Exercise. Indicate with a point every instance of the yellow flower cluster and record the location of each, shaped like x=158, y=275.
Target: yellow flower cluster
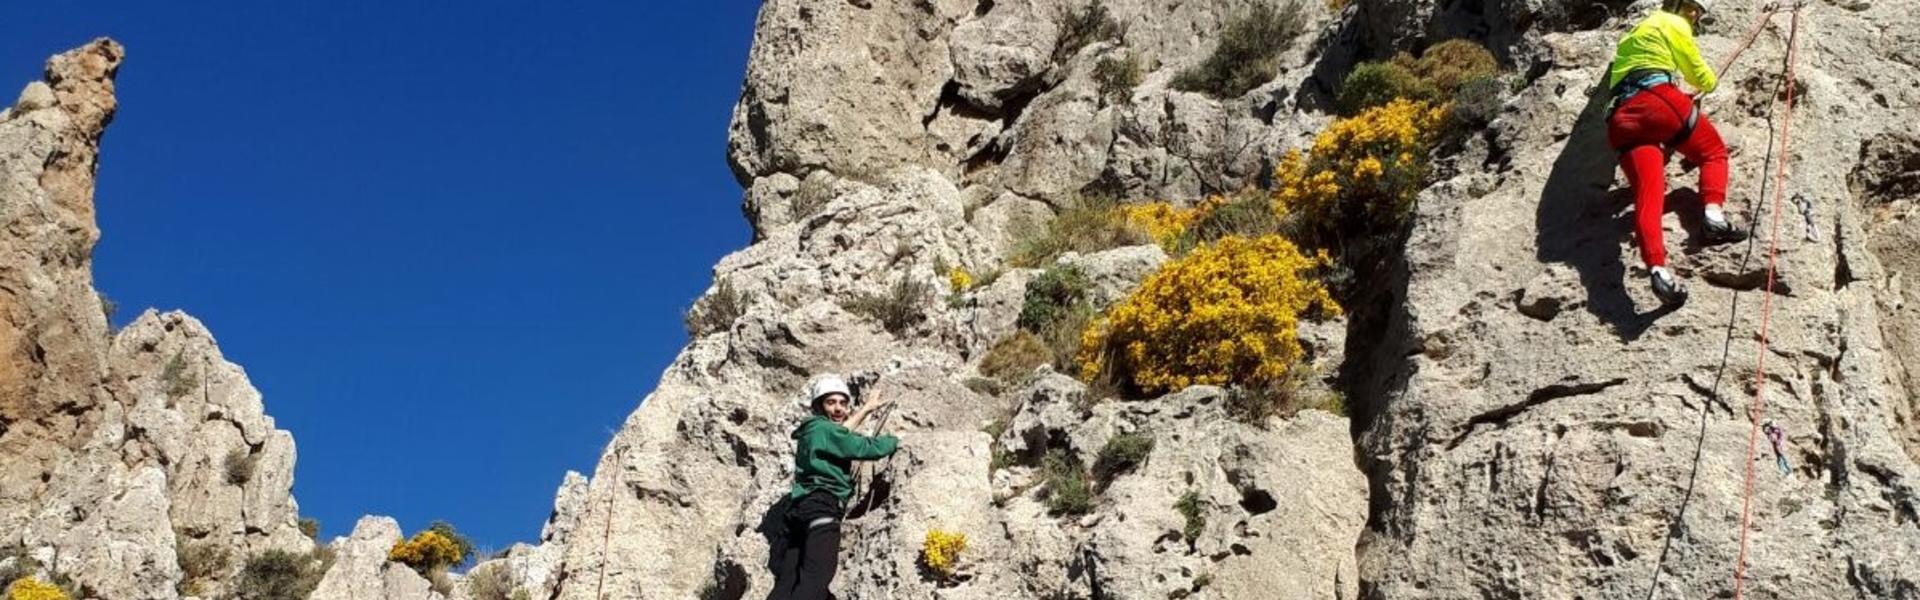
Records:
x=1164, y=222
x=1371, y=164
x=941, y=551
x=959, y=279
x=28, y=588
x=1227, y=313
x=426, y=551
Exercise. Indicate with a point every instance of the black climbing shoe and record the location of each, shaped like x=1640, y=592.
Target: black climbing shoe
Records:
x=1670, y=292
x=1721, y=231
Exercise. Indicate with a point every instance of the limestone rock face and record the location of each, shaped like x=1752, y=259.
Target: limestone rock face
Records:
x=117, y=450
x=361, y=570
x=1537, y=426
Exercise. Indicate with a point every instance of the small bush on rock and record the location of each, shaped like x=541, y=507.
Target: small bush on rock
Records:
x=1057, y=293
x=1452, y=64
x=310, y=527
x=940, y=552
x=240, y=466
x=717, y=311
x=1068, y=493
x=1227, y=313
x=174, y=378
x=1120, y=455
x=281, y=575
x=1193, y=514
x=1375, y=84
x=425, y=552
x=896, y=309
x=1248, y=54
x=1116, y=77
x=199, y=563
x=1088, y=224
x=1012, y=360
x=1091, y=23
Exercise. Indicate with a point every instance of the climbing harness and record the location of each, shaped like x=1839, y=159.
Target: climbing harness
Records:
x=1733, y=300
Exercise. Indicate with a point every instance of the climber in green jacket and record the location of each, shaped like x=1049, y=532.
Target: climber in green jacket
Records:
x=825, y=447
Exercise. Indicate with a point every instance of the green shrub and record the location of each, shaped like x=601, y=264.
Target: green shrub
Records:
x=1248, y=53
x=1248, y=213
x=1068, y=492
x=1011, y=361
x=1117, y=76
x=1091, y=23
x=900, y=307
x=1088, y=224
x=1193, y=513
x=812, y=195
x=461, y=544
x=310, y=527
x=1120, y=455
x=1253, y=404
x=1053, y=296
x=199, y=564
x=717, y=311
x=1452, y=64
x=281, y=575
x=174, y=378
x=240, y=466
x=1478, y=102
x=1375, y=84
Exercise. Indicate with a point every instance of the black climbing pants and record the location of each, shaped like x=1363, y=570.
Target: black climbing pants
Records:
x=811, y=550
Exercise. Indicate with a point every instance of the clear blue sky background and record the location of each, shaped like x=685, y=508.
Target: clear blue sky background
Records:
x=449, y=241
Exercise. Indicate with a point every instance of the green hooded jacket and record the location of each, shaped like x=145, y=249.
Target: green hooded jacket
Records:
x=824, y=453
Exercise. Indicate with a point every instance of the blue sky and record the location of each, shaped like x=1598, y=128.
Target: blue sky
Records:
x=450, y=242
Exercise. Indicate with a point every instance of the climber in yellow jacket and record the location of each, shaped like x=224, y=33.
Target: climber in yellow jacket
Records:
x=1651, y=117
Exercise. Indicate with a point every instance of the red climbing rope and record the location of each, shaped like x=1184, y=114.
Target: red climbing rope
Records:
x=1758, y=411
x=1766, y=16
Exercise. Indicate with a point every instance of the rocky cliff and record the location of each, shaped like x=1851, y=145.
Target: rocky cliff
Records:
x=1525, y=421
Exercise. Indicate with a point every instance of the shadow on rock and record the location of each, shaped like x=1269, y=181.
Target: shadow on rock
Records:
x=1578, y=222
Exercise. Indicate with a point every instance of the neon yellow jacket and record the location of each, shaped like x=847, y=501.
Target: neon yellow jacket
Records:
x=1662, y=42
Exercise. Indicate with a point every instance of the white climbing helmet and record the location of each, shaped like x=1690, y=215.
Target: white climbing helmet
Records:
x=825, y=384
x=1706, y=6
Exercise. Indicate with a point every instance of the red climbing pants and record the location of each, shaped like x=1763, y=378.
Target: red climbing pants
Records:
x=1643, y=130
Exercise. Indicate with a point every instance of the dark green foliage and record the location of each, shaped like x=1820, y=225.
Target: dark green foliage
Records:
x=717, y=311
x=1194, y=514
x=898, y=308
x=1377, y=83
x=1056, y=294
x=1117, y=76
x=1091, y=23
x=1121, y=454
x=1089, y=224
x=1248, y=54
x=1068, y=493
x=281, y=575
x=240, y=465
x=460, y=541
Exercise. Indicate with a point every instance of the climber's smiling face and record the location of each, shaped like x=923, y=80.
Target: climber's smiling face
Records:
x=834, y=406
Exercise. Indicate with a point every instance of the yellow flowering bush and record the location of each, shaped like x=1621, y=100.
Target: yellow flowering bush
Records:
x=959, y=279
x=1364, y=170
x=426, y=551
x=941, y=551
x=1227, y=313
x=28, y=588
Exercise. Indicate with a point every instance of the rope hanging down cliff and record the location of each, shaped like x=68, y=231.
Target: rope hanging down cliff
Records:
x=1677, y=525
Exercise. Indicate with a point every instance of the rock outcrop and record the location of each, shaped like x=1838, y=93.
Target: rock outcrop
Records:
x=1525, y=422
